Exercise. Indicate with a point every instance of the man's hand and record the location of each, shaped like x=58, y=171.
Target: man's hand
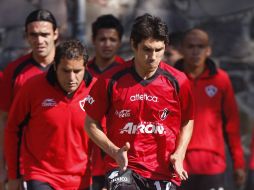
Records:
x=14, y=184
x=121, y=156
x=239, y=176
x=177, y=163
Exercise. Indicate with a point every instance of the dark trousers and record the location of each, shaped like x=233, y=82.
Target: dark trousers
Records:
x=204, y=182
x=38, y=185
x=98, y=182
x=250, y=181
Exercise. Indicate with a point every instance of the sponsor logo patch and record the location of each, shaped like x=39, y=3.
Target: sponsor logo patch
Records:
x=144, y=97
x=144, y=128
x=113, y=174
x=48, y=102
x=117, y=178
x=120, y=179
x=123, y=113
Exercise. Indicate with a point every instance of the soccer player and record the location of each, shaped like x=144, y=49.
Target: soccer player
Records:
x=107, y=32
x=148, y=108
x=41, y=34
x=48, y=109
x=215, y=115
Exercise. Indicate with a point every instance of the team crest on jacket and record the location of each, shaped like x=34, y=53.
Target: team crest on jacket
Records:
x=164, y=113
x=88, y=99
x=211, y=90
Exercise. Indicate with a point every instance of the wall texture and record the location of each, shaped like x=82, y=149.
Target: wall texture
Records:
x=230, y=24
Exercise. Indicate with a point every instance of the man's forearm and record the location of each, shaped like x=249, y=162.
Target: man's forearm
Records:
x=118, y=154
x=99, y=137
x=184, y=138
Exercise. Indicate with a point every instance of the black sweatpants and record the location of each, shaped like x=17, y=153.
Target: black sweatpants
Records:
x=204, y=182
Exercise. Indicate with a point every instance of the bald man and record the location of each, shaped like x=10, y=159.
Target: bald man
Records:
x=215, y=118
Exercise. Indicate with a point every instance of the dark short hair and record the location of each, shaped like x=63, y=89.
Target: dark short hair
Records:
x=197, y=29
x=71, y=49
x=107, y=21
x=41, y=15
x=175, y=39
x=148, y=26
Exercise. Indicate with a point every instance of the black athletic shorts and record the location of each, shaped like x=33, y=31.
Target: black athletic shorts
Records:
x=98, y=182
x=39, y=185
x=250, y=181
x=204, y=182
x=129, y=180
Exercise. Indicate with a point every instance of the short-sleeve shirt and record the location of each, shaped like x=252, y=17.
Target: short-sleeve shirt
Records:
x=147, y=113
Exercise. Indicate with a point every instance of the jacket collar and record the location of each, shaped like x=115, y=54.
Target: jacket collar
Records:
x=210, y=65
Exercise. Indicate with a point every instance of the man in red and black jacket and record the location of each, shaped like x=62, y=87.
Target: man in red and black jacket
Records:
x=49, y=111
x=41, y=34
x=215, y=115
x=107, y=33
